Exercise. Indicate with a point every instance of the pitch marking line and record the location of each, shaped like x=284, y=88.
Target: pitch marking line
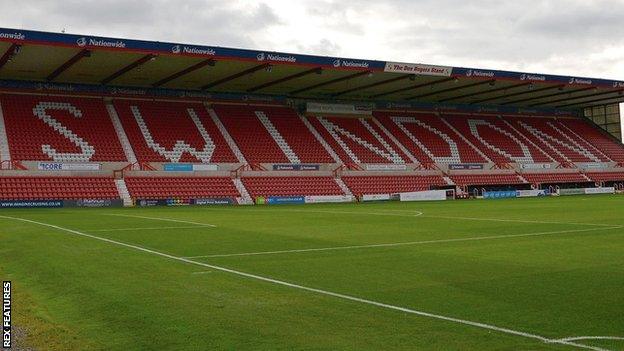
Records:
x=143, y=228
x=202, y=272
x=575, y=338
x=315, y=290
x=517, y=220
x=405, y=243
x=419, y=213
x=159, y=219
x=415, y=213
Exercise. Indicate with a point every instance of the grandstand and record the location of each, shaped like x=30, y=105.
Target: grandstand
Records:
x=82, y=116
x=91, y=121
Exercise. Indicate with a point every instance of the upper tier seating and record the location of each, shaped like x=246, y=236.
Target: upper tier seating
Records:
x=295, y=133
x=181, y=187
x=291, y=186
x=250, y=135
x=57, y=188
x=267, y=134
x=428, y=138
x=593, y=136
x=553, y=178
x=63, y=129
x=486, y=179
x=173, y=132
x=556, y=141
x=495, y=138
x=368, y=185
x=358, y=140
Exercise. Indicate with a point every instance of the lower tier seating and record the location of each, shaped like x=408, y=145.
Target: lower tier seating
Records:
x=552, y=178
x=606, y=176
x=291, y=186
x=180, y=188
x=486, y=179
x=362, y=185
x=57, y=188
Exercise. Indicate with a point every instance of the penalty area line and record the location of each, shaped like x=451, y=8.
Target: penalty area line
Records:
x=315, y=290
x=143, y=228
x=159, y=219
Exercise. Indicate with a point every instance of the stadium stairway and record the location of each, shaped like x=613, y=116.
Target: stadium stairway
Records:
x=343, y=186
x=245, y=198
x=5, y=154
x=226, y=135
x=277, y=137
x=320, y=139
x=121, y=133
x=124, y=194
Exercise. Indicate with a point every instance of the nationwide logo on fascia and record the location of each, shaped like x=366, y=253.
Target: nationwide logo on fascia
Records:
x=57, y=87
x=176, y=49
x=115, y=91
x=525, y=111
x=349, y=63
x=14, y=36
x=580, y=81
x=533, y=77
x=618, y=84
x=275, y=57
x=487, y=109
x=477, y=73
x=100, y=43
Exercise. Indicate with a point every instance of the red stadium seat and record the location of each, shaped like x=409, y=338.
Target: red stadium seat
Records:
x=57, y=188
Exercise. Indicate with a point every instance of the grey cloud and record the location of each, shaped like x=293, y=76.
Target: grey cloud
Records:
x=553, y=35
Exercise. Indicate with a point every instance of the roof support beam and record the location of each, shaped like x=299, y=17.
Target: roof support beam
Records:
x=620, y=97
x=332, y=81
x=236, y=75
x=128, y=68
x=578, y=97
x=372, y=85
x=549, y=95
x=530, y=91
x=489, y=81
x=485, y=92
x=412, y=87
x=317, y=70
x=597, y=102
x=65, y=66
x=195, y=67
x=11, y=51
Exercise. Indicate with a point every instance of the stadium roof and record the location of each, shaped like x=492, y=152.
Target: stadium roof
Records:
x=81, y=59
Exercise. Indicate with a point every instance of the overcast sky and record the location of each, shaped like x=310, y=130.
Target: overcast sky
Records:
x=570, y=37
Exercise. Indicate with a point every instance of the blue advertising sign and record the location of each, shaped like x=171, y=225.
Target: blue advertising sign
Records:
x=504, y=194
x=466, y=166
x=213, y=201
x=277, y=200
x=178, y=167
x=296, y=167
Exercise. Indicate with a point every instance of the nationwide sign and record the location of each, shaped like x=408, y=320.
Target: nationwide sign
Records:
x=67, y=40
x=418, y=69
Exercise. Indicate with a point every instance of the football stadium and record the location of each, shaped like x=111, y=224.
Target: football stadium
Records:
x=169, y=196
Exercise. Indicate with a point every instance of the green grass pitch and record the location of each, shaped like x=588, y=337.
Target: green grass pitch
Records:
x=523, y=274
